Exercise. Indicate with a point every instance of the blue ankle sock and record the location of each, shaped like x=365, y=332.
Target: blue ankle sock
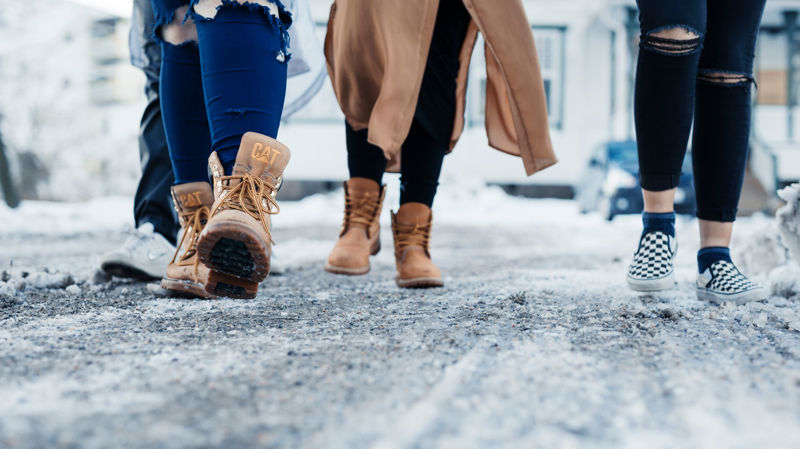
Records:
x=184, y=112
x=243, y=78
x=664, y=222
x=707, y=256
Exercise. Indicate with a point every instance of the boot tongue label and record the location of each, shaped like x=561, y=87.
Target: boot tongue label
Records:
x=264, y=153
x=191, y=199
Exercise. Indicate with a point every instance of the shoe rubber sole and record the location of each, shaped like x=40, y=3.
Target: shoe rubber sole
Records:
x=357, y=271
x=223, y=285
x=652, y=285
x=347, y=271
x=122, y=270
x=705, y=294
x=237, y=259
x=186, y=289
x=420, y=282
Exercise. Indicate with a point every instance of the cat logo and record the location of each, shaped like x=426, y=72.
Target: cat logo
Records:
x=265, y=153
x=190, y=199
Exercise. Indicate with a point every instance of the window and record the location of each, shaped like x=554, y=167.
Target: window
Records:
x=550, y=47
x=550, y=44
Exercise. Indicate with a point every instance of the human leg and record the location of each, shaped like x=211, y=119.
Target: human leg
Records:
x=152, y=200
x=359, y=237
x=670, y=48
x=720, y=143
x=425, y=147
x=146, y=251
x=243, y=58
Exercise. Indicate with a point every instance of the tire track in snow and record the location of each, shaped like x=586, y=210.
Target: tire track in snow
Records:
x=409, y=427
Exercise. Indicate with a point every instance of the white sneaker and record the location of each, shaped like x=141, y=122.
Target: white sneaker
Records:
x=144, y=255
x=722, y=281
x=276, y=268
x=652, y=267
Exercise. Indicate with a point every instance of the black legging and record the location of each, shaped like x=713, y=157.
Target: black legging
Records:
x=677, y=80
x=429, y=138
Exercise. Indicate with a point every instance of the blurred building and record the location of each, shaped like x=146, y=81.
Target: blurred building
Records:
x=587, y=50
x=69, y=99
x=70, y=102
x=775, y=156
x=113, y=79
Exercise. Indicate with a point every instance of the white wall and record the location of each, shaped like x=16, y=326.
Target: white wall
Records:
x=587, y=116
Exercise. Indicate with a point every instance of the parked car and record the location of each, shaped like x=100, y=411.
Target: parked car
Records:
x=611, y=183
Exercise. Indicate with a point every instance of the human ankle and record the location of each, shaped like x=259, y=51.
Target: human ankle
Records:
x=707, y=256
x=663, y=222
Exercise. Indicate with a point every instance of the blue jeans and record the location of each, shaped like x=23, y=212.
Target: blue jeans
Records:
x=230, y=81
x=152, y=203
x=705, y=78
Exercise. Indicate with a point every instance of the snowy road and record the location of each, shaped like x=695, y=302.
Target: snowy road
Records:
x=534, y=342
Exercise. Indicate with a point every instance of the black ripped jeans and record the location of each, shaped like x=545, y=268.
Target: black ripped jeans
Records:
x=429, y=138
x=708, y=78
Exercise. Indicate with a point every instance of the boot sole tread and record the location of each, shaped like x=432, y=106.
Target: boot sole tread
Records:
x=225, y=285
x=235, y=253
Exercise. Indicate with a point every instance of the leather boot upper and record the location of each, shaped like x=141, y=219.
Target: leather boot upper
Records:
x=192, y=203
x=359, y=237
x=247, y=197
x=411, y=227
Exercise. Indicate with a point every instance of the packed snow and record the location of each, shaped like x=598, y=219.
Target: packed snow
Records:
x=759, y=247
x=535, y=340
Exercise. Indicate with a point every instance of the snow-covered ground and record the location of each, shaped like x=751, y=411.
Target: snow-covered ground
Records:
x=534, y=342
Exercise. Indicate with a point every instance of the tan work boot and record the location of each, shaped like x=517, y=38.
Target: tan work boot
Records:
x=411, y=227
x=360, y=236
x=235, y=244
x=185, y=275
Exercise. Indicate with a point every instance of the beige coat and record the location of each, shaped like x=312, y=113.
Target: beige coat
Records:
x=377, y=51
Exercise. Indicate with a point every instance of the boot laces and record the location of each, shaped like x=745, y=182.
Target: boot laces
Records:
x=193, y=224
x=412, y=235
x=359, y=211
x=252, y=195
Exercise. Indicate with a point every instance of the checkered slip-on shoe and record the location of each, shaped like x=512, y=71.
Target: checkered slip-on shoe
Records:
x=652, y=267
x=722, y=281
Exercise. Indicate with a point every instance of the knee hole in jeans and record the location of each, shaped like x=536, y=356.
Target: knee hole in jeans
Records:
x=208, y=8
x=723, y=78
x=676, y=40
x=178, y=31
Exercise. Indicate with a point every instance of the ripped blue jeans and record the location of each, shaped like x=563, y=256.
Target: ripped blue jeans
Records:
x=230, y=81
x=705, y=77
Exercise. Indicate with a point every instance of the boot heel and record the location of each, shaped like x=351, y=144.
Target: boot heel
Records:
x=376, y=247
x=223, y=285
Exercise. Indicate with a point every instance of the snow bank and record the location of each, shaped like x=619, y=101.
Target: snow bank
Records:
x=785, y=281
x=761, y=251
x=789, y=219
x=53, y=218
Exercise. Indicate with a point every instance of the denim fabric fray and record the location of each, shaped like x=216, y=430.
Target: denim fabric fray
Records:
x=283, y=20
x=672, y=47
x=718, y=78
